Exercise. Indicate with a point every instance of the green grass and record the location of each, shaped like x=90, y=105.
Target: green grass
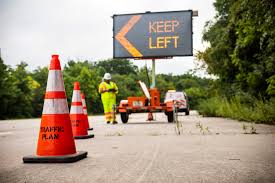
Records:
x=257, y=111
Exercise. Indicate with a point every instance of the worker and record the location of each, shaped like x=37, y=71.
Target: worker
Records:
x=108, y=91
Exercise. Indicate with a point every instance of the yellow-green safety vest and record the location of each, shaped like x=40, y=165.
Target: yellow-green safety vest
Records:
x=105, y=87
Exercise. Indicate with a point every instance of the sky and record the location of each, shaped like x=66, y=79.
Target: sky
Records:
x=33, y=30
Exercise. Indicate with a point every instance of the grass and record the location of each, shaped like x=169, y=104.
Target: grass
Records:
x=258, y=111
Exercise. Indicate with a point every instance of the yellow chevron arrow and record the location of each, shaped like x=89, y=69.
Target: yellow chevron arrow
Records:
x=120, y=36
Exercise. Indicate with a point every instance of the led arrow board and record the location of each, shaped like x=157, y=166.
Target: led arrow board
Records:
x=160, y=34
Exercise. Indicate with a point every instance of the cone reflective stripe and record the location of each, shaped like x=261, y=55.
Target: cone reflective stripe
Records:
x=55, y=141
x=76, y=105
x=85, y=117
x=77, y=116
x=55, y=81
x=59, y=106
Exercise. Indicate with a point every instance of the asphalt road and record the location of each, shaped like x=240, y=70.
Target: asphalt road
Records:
x=142, y=151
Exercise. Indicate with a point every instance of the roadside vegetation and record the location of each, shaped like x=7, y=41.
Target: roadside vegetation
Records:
x=242, y=56
x=257, y=111
x=22, y=91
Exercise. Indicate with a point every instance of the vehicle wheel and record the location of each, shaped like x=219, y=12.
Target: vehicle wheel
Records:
x=124, y=117
x=187, y=112
x=170, y=117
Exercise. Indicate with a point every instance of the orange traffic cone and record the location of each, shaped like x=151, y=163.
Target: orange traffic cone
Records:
x=77, y=115
x=150, y=116
x=55, y=142
x=85, y=116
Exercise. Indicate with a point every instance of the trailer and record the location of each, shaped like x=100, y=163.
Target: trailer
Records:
x=149, y=103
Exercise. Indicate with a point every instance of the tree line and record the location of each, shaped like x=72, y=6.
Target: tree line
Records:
x=22, y=91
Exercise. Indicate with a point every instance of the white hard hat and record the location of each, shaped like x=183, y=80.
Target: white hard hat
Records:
x=107, y=76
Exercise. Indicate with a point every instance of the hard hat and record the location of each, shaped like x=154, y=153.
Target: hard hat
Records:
x=107, y=76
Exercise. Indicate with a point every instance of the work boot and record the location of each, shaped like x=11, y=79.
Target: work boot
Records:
x=108, y=122
x=114, y=122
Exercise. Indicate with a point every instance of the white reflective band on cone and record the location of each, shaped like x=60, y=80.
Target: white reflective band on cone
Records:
x=55, y=106
x=55, y=81
x=76, y=110
x=85, y=111
x=83, y=102
x=76, y=96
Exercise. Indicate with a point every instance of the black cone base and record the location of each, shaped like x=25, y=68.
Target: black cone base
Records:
x=56, y=159
x=84, y=136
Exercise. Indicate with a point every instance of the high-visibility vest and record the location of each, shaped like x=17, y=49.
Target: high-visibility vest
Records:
x=103, y=90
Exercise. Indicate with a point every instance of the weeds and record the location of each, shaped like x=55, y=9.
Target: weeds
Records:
x=253, y=130
x=203, y=130
x=244, y=127
x=255, y=110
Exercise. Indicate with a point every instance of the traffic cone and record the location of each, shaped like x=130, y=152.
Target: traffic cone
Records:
x=150, y=116
x=85, y=116
x=55, y=141
x=76, y=114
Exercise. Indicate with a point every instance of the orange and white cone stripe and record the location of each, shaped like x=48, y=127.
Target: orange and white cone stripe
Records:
x=85, y=111
x=76, y=106
x=55, y=137
x=76, y=113
x=55, y=90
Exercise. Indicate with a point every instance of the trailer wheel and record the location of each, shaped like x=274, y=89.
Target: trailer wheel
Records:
x=124, y=117
x=170, y=117
x=187, y=112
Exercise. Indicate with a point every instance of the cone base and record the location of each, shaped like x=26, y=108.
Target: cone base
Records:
x=84, y=136
x=90, y=129
x=79, y=155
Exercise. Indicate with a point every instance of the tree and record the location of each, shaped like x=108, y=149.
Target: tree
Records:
x=22, y=106
x=118, y=66
x=8, y=90
x=242, y=46
x=40, y=75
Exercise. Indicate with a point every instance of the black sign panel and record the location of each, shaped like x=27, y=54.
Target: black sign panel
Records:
x=148, y=35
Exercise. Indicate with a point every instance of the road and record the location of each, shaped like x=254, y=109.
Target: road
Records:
x=142, y=151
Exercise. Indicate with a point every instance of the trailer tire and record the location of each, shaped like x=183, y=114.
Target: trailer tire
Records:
x=170, y=117
x=187, y=112
x=124, y=117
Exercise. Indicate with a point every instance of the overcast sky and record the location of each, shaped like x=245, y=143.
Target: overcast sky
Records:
x=33, y=30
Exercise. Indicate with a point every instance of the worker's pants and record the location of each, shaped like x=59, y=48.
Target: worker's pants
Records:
x=108, y=109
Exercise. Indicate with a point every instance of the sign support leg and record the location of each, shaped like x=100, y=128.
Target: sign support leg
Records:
x=153, y=85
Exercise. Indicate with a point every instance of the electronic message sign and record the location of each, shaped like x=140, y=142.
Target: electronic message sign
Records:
x=152, y=35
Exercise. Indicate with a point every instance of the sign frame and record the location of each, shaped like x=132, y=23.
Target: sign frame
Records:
x=153, y=56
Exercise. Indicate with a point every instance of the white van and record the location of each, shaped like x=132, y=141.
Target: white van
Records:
x=179, y=97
